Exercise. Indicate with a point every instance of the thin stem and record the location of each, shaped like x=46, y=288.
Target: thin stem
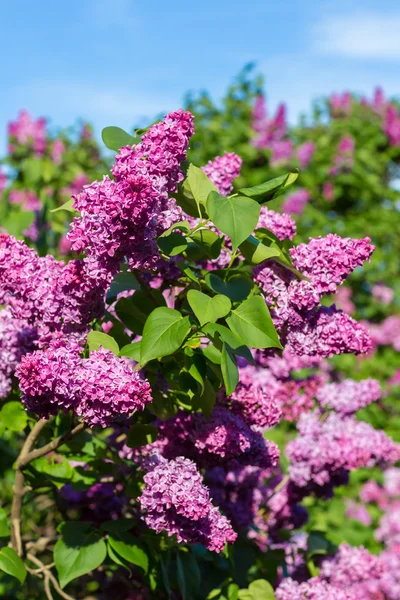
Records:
x=25, y=457
x=46, y=569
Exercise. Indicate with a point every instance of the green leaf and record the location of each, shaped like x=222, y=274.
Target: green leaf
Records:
x=131, y=350
x=189, y=571
x=205, y=403
x=260, y=589
x=212, y=354
x=79, y=551
x=95, y=339
x=68, y=206
x=172, y=244
x=236, y=217
x=134, y=311
x=4, y=527
x=164, y=332
x=198, y=185
x=115, y=138
x=255, y=252
x=13, y=416
x=270, y=189
x=11, y=564
x=206, y=308
x=126, y=546
x=117, y=559
x=125, y=280
x=252, y=323
x=209, y=242
x=237, y=288
x=181, y=577
x=230, y=372
x=59, y=473
x=229, y=338
x=141, y=434
x=17, y=221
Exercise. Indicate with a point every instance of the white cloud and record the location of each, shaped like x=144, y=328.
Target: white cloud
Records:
x=359, y=35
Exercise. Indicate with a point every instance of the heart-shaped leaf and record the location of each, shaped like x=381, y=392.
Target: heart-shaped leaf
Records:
x=95, y=339
x=236, y=217
x=208, y=309
x=237, y=288
x=115, y=138
x=11, y=564
x=255, y=252
x=164, y=332
x=252, y=323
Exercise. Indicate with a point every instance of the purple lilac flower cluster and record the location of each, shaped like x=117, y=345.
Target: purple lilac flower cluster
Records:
x=223, y=170
x=174, y=499
x=349, y=396
x=16, y=339
x=98, y=389
x=307, y=328
x=25, y=131
x=327, y=449
x=281, y=224
x=313, y=589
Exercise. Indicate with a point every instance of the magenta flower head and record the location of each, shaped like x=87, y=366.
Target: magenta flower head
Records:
x=27, y=132
x=281, y=224
x=175, y=500
x=223, y=170
x=305, y=152
x=295, y=203
x=349, y=396
x=108, y=389
x=313, y=589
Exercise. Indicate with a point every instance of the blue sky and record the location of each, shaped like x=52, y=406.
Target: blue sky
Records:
x=114, y=62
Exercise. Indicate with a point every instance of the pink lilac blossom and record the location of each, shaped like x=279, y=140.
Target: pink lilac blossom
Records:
x=328, y=261
x=326, y=450
x=340, y=104
x=223, y=170
x=98, y=389
x=358, y=512
x=255, y=405
x=122, y=218
x=391, y=483
x=313, y=589
x=382, y=293
x=390, y=580
x=3, y=181
x=387, y=333
x=16, y=339
x=269, y=130
x=352, y=569
x=49, y=295
x=108, y=388
x=57, y=151
x=223, y=436
x=372, y=492
x=281, y=152
x=391, y=125
x=26, y=131
x=343, y=300
x=281, y=224
x=47, y=379
x=25, y=198
x=344, y=159
x=175, y=500
x=349, y=396
x=388, y=531
x=295, y=203
x=305, y=153
x=328, y=191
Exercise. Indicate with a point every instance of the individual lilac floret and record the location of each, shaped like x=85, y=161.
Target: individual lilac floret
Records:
x=223, y=170
x=313, y=589
x=108, y=388
x=349, y=396
x=255, y=405
x=174, y=499
x=352, y=569
x=16, y=339
x=326, y=450
x=281, y=224
x=328, y=261
x=327, y=332
x=47, y=379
